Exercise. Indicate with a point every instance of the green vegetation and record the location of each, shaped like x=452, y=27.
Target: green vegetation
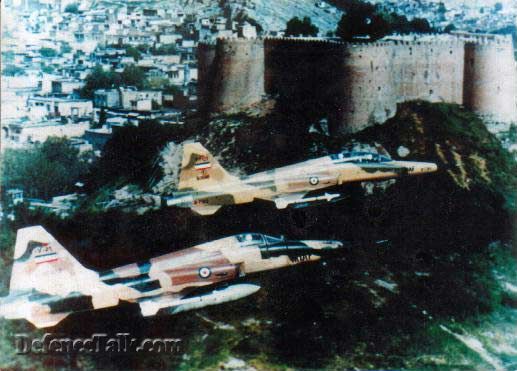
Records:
x=12, y=70
x=369, y=21
x=132, y=76
x=131, y=51
x=47, y=69
x=65, y=48
x=156, y=83
x=165, y=49
x=301, y=27
x=99, y=79
x=49, y=169
x=7, y=56
x=130, y=156
x=449, y=28
x=72, y=8
x=48, y=52
x=512, y=133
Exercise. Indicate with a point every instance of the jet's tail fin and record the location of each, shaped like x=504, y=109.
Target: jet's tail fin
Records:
x=200, y=170
x=43, y=264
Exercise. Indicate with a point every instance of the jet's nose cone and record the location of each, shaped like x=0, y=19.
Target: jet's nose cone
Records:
x=336, y=245
x=428, y=167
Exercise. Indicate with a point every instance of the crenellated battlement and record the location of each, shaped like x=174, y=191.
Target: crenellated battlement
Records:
x=360, y=83
x=445, y=40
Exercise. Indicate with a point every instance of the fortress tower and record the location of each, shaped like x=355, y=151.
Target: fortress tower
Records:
x=490, y=79
x=231, y=74
x=357, y=85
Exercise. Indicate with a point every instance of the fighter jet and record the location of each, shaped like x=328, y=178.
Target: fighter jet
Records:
x=204, y=185
x=48, y=283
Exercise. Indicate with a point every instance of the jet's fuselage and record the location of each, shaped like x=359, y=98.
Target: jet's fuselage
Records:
x=181, y=280
x=302, y=178
x=213, y=262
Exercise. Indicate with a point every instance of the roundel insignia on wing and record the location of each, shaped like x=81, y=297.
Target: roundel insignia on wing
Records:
x=204, y=272
x=313, y=180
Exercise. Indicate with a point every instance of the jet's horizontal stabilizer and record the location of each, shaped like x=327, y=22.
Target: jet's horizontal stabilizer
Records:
x=26, y=306
x=175, y=305
x=47, y=319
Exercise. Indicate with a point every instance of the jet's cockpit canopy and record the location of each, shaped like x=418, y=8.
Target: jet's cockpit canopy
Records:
x=359, y=157
x=253, y=239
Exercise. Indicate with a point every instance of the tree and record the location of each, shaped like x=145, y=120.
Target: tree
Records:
x=8, y=56
x=165, y=49
x=297, y=27
x=66, y=48
x=365, y=20
x=131, y=51
x=12, y=70
x=449, y=28
x=512, y=132
x=48, y=169
x=130, y=154
x=420, y=25
x=99, y=79
x=133, y=76
x=156, y=83
x=72, y=8
x=48, y=52
x=47, y=69
x=358, y=21
x=142, y=48
x=102, y=119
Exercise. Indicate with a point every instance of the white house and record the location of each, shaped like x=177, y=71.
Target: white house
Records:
x=26, y=133
x=169, y=38
x=40, y=108
x=140, y=100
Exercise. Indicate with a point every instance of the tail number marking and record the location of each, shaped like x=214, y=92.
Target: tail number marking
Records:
x=300, y=259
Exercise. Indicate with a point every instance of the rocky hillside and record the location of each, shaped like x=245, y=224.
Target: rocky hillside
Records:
x=271, y=16
x=421, y=298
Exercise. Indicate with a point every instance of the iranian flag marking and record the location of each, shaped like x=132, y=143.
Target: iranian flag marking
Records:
x=46, y=258
x=203, y=165
x=45, y=255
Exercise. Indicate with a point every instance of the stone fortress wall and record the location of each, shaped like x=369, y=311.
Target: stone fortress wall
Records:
x=357, y=85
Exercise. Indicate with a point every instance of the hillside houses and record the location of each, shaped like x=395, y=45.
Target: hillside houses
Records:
x=50, y=55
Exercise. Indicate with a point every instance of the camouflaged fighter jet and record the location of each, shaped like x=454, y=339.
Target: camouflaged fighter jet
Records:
x=204, y=186
x=48, y=283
